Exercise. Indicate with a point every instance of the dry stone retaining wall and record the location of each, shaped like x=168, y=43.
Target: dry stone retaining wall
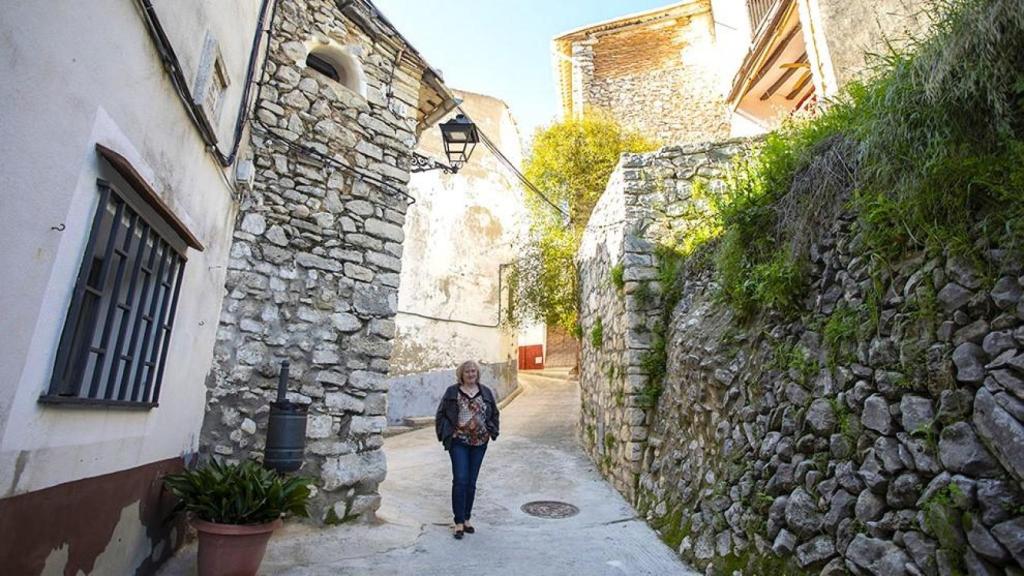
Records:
x=879, y=434
x=314, y=269
x=622, y=232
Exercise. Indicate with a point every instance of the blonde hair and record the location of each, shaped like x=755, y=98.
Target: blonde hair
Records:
x=462, y=368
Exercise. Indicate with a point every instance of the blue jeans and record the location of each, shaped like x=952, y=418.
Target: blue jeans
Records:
x=466, y=461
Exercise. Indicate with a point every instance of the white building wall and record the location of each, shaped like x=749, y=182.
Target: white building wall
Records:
x=459, y=232
x=732, y=38
x=76, y=74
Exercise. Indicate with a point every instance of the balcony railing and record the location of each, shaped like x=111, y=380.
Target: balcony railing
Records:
x=758, y=10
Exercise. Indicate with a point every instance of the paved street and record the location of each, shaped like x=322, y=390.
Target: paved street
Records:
x=536, y=458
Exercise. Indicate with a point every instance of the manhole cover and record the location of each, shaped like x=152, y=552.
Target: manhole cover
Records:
x=550, y=509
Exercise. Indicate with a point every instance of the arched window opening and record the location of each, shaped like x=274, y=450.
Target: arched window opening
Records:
x=323, y=66
x=337, y=64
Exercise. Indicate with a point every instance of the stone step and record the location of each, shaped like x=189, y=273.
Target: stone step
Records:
x=546, y=376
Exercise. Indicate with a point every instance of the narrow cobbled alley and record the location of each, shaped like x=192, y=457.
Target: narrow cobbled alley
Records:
x=536, y=458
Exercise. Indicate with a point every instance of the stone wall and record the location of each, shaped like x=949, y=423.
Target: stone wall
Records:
x=661, y=79
x=314, y=269
x=630, y=215
x=878, y=434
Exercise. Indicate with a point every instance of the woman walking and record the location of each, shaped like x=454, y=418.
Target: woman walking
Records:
x=466, y=419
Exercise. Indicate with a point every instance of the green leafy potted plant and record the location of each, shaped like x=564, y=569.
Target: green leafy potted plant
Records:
x=235, y=508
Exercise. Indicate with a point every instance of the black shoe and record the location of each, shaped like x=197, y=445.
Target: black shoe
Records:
x=458, y=534
x=469, y=529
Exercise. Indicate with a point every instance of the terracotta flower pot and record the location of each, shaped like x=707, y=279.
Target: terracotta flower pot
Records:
x=230, y=549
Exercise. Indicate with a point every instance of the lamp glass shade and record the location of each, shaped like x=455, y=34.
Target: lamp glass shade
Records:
x=460, y=138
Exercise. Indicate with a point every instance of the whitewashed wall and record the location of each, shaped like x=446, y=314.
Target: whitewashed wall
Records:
x=459, y=232
x=75, y=75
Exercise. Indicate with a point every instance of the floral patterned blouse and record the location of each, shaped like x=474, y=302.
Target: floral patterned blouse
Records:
x=472, y=425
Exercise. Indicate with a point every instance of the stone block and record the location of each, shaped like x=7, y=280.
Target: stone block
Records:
x=363, y=425
x=375, y=300
x=802, y=515
x=318, y=262
x=961, y=450
x=820, y=417
x=877, y=557
x=370, y=381
x=916, y=413
x=384, y=230
x=345, y=322
x=350, y=469
x=876, y=414
x=339, y=402
x=1001, y=432
x=384, y=261
x=319, y=426
x=817, y=551
x=1011, y=535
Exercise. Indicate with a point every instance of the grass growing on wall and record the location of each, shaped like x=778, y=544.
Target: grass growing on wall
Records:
x=597, y=333
x=670, y=261
x=618, y=277
x=929, y=151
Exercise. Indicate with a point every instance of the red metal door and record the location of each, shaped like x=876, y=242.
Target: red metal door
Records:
x=531, y=357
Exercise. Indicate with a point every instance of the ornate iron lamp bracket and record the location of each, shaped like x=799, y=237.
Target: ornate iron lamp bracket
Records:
x=420, y=163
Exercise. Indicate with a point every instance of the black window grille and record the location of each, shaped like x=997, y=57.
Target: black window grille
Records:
x=114, y=345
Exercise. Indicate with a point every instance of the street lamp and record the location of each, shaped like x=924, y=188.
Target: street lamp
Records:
x=460, y=137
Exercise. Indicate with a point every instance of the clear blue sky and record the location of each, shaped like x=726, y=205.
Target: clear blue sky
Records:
x=501, y=48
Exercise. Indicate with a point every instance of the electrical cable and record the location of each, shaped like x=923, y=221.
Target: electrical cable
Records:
x=497, y=323
x=519, y=175
x=493, y=148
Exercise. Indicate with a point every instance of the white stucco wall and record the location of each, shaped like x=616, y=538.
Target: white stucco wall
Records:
x=459, y=232
x=732, y=38
x=75, y=75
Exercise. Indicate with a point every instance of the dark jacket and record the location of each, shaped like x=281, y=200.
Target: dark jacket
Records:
x=447, y=417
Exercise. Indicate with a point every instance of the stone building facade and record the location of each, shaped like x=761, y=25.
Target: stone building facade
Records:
x=656, y=72
x=703, y=70
x=879, y=433
x=315, y=264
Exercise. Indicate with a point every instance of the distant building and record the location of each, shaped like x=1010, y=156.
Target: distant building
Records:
x=799, y=52
x=461, y=234
x=700, y=70
x=656, y=72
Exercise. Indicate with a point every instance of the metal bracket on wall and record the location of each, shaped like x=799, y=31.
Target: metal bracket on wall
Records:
x=420, y=163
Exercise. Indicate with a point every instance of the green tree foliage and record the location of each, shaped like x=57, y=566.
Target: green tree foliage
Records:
x=570, y=163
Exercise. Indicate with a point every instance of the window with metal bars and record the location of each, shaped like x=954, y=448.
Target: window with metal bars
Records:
x=113, y=348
